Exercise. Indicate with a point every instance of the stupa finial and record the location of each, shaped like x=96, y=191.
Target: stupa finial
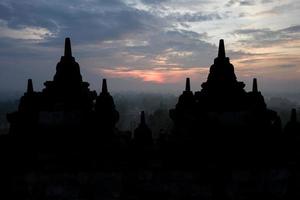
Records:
x=29, y=86
x=187, y=85
x=221, y=53
x=68, y=48
x=254, y=85
x=104, y=86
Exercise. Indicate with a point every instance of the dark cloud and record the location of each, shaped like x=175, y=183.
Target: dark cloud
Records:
x=241, y=3
x=269, y=1
x=292, y=29
x=243, y=14
x=177, y=47
x=231, y=2
x=195, y=17
x=247, y=3
x=268, y=37
x=288, y=65
x=92, y=20
x=153, y=1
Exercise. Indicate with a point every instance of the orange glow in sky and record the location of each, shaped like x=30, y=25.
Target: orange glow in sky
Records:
x=156, y=75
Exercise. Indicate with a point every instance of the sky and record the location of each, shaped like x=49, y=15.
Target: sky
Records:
x=151, y=45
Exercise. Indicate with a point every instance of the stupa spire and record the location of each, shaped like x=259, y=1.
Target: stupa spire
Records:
x=143, y=120
x=68, y=48
x=187, y=85
x=104, y=86
x=293, y=115
x=221, y=53
x=29, y=86
x=254, y=85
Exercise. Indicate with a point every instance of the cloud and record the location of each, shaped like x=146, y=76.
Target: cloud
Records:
x=83, y=20
x=24, y=33
x=195, y=17
x=153, y=1
x=292, y=29
x=231, y=2
x=268, y=1
x=241, y=3
x=247, y=3
x=280, y=8
x=288, y=65
x=166, y=48
x=267, y=37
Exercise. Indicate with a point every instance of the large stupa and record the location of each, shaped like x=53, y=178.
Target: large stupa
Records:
x=223, y=106
x=66, y=105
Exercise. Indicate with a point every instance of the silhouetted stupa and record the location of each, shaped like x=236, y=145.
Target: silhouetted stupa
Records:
x=106, y=114
x=66, y=104
x=67, y=88
x=292, y=127
x=143, y=134
x=222, y=105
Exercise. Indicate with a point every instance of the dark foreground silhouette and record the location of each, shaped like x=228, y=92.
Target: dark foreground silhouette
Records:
x=225, y=144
